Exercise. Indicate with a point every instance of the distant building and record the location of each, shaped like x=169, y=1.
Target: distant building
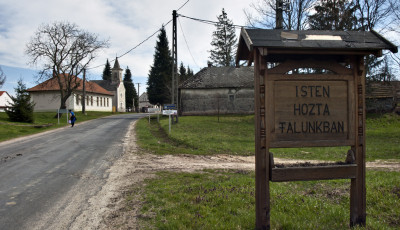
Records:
x=5, y=101
x=213, y=90
x=144, y=103
x=383, y=97
x=46, y=97
x=116, y=87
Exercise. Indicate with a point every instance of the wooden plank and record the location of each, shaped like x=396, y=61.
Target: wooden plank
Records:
x=319, y=143
x=314, y=173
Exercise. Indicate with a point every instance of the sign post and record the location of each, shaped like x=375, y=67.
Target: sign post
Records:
x=169, y=113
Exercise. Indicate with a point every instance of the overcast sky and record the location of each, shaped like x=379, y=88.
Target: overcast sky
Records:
x=125, y=23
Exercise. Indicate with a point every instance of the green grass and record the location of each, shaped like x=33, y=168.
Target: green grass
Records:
x=198, y=135
x=235, y=135
x=383, y=136
x=225, y=200
x=9, y=130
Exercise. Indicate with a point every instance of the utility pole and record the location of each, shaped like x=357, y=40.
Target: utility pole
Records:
x=175, y=63
x=84, y=92
x=279, y=15
x=138, y=109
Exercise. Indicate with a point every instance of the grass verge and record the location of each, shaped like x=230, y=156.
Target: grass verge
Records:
x=9, y=130
x=235, y=135
x=225, y=200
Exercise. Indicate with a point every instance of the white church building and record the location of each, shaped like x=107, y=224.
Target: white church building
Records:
x=115, y=86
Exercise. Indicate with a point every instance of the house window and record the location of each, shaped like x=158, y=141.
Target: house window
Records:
x=91, y=100
x=97, y=101
x=108, y=103
x=101, y=101
x=231, y=97
x=77, y=99
x=87, y=100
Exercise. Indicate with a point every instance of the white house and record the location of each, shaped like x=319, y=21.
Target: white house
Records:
x=5, y=101
x=46, y=97
x=116, y=87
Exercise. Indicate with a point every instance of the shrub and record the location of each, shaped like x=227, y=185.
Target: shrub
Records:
x=21, y=107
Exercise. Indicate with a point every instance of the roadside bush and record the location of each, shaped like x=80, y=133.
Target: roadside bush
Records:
x=21, y=107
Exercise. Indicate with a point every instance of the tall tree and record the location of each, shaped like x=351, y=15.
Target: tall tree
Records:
x=21, y=105
x=189, y=72
x=65, y=51
x=295, y=13
x=223, y=42
x=130, y=91
x=2, y=77
x=182, y=73
x=333, y=15
x=107, y=71
x=159, y=81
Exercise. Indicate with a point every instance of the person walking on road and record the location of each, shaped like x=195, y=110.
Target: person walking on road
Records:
x=73, y=118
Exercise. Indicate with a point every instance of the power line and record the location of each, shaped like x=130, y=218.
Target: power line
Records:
x=183, y=5
x=143, y=40
x=184, y=37
x=214, y=23
x=133, y=47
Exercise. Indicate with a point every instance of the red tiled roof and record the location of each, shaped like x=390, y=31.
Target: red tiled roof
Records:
x=1, y=93
x=52, y=85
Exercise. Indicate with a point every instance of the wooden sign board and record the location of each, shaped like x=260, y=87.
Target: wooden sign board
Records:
x=311, y=112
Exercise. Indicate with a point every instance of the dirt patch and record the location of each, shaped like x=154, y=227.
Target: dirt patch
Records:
x=124, y=188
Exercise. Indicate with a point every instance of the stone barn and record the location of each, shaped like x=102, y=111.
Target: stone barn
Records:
x=218, y=90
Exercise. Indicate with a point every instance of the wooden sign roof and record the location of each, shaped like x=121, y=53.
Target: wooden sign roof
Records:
x=311, y=41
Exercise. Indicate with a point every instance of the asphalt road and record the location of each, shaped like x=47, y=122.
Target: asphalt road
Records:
x=46, y=180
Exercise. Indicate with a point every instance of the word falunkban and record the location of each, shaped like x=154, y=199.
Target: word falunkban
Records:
x=311, y=107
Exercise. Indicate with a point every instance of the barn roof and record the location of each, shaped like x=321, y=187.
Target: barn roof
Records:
x=52, y=85
x=359, y=42
x=221, y=77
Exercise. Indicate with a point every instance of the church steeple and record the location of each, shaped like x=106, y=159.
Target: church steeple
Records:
x=116, y=72
x=116, y=64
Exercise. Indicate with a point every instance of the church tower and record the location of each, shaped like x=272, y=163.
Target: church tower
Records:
x=116, y=73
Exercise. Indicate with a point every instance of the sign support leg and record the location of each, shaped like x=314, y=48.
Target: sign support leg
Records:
x=357, y=189
x=262, y=151
x=169, y=121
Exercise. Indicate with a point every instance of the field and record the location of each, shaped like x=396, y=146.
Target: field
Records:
x=224, y=199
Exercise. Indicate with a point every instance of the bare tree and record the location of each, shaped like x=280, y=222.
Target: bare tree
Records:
x=377, y=14
x=295, y=14
x=2, y=77
x=63, y=50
